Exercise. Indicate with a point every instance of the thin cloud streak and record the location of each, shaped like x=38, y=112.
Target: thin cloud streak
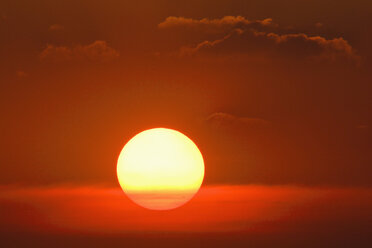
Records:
x=221, y=119
x=98, y=51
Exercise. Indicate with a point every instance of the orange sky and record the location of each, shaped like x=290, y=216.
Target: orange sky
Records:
x=271, y=95
x=274, y=93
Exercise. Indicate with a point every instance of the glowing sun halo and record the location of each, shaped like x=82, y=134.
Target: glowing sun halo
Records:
x=160, y=169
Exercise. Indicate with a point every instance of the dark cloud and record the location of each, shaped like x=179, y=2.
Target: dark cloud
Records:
x=223, y=24
x=256, y=43
x=254, y=38
x=96, y=51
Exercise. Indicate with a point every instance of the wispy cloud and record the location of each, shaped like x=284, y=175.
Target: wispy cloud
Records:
x=226, y=119
x=97, y=51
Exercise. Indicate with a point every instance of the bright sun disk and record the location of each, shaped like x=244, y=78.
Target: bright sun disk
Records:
x=160, y=169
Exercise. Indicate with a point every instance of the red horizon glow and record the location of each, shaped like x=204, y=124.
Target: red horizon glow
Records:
x=222, y=208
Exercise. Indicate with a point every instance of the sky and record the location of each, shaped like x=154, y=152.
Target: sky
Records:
x=276, y=94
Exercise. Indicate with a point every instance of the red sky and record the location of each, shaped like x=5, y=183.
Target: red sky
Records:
x=274, y=93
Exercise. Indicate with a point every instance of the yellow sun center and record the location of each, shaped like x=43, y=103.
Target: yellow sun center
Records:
x=160, y=169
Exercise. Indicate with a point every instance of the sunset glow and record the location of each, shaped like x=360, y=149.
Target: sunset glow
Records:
x=185, y=124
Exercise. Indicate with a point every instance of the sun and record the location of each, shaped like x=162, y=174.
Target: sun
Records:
x=160, y=169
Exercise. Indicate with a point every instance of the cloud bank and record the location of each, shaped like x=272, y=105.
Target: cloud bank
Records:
x=247, y=208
